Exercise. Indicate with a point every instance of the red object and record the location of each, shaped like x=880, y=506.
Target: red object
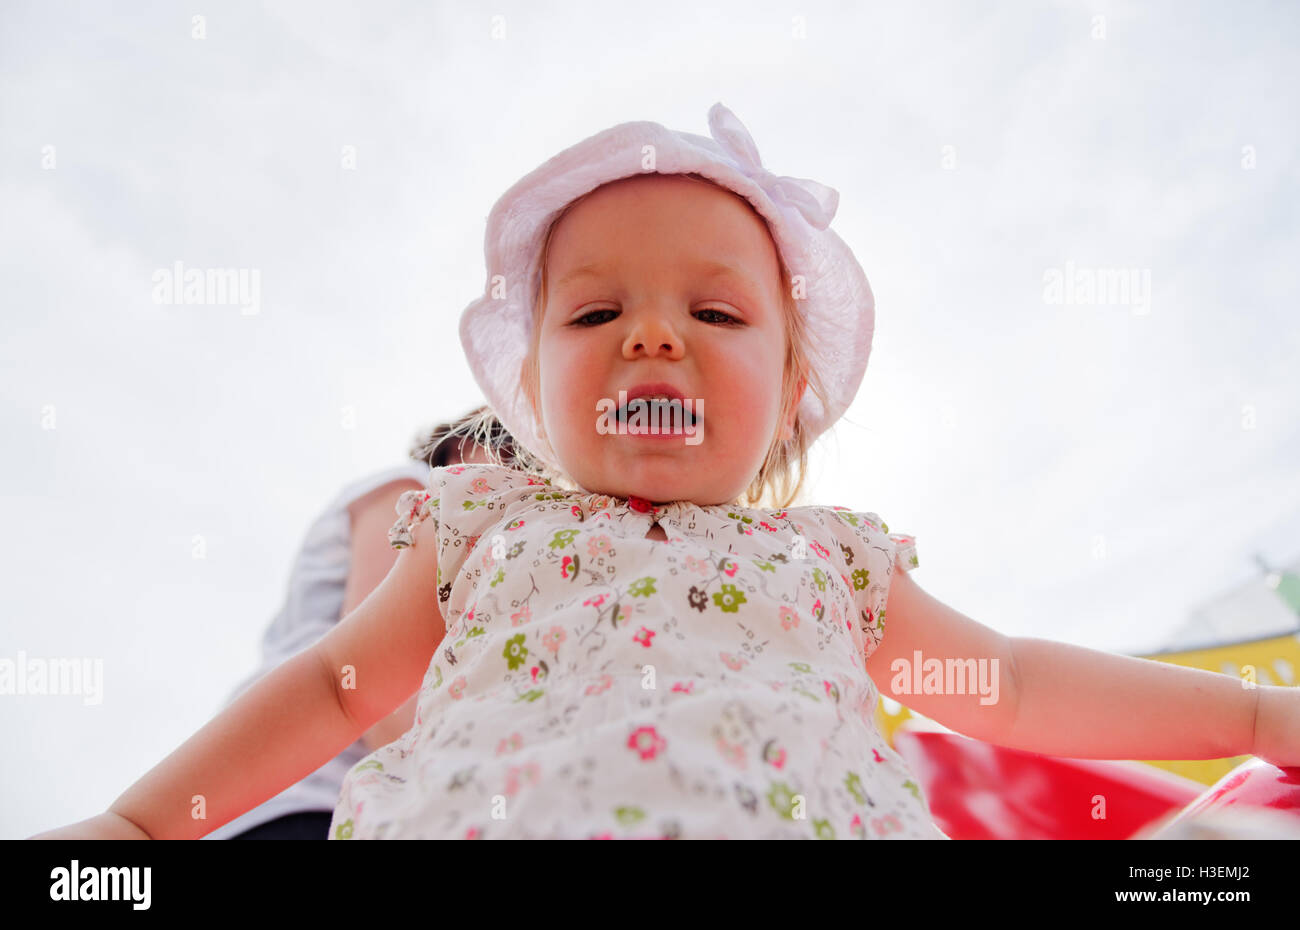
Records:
x=1254, y=783
x=979, y=791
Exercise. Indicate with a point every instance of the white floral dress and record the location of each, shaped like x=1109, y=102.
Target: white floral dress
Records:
x=596, y=683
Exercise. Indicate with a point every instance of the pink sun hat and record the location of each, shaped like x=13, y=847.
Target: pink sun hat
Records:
x=837, y=304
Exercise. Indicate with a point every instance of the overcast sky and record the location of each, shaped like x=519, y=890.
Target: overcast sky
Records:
x=1088, y=472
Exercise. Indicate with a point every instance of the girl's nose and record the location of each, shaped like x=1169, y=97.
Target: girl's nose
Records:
x=652, y=334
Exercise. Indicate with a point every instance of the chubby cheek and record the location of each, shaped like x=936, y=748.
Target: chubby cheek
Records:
x=568, y=397
x=744, y=403
x=744, y=434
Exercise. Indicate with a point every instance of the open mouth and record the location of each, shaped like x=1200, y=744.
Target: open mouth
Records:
x=667, y=413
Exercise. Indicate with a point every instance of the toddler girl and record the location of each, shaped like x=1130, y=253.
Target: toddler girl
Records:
x=632, y=633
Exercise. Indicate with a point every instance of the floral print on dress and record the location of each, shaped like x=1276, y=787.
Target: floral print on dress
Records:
x=597, y=683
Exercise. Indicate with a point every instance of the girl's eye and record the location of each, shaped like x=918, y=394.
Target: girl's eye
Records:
x=718, y=317
x=582, y=320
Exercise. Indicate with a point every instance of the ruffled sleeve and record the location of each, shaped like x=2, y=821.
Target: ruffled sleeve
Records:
x=869, y=555
x=904, y=551
x=464, y=502
x=413, y=508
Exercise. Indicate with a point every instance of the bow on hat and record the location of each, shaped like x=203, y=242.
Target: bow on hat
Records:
x=816, y=202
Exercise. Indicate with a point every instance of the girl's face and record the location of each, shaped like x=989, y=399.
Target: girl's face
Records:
x=634, y=296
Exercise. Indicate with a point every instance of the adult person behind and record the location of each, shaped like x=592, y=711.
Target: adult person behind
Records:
x=343, y=557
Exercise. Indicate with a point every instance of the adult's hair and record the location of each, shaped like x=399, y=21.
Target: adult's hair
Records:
x=443, y=444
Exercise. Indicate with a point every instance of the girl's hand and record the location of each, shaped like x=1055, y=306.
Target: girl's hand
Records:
x=105, y=826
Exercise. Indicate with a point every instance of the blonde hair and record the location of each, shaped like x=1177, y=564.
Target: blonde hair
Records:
x=780, y=478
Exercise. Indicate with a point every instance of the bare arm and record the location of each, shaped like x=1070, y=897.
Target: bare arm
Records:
x=1087, y=704
x=301, y=714
x=916, y=622
x=277, y=732
x=1064, y=700
x=372, y=559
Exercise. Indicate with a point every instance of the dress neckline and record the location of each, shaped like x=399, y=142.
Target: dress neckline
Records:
x=594, y=503
x=597, y=503
x=673, y=516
